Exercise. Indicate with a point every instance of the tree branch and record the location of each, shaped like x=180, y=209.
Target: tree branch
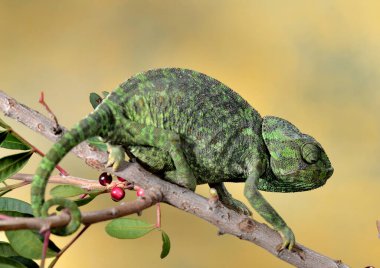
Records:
x=228, y=221
x=150, y=198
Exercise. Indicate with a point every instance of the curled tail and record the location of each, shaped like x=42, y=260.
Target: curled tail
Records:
x=93, y=125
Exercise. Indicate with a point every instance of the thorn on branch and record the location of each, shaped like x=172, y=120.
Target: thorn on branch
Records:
x=57, y=128
x=220, y=232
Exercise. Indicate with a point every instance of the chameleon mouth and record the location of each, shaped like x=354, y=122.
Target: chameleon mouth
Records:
x=294, y=181
x=324, y=173
x=330, y=171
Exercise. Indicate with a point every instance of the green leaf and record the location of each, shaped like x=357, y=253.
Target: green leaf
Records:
x=10, y=263
x=26, y=262
x=165, y=244
x=97, y=143
x=12, y=142
x=126, y=228
x=8, y=204
x=11, y=164
x=84, y=201
x=28, y=244
x=95, y=99
x=4, y=125
x=6, y=250
x=66, y=191
x=3, y=135
x=105, y=93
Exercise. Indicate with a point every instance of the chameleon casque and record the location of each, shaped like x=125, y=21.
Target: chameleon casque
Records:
x=194, y=130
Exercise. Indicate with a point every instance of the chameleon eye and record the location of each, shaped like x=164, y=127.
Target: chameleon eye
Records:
x=310, y=153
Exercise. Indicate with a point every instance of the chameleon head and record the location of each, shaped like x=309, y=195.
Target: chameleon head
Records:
x=298, y=162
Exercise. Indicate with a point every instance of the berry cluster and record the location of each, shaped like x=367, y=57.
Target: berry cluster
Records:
x=117, y=193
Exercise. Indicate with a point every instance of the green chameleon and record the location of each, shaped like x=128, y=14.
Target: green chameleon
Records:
x=193, y=129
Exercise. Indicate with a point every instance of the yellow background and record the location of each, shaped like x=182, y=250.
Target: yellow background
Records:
x=315, y=63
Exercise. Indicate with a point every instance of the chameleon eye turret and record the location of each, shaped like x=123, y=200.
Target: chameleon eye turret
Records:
x=297, y=160
x=310, y=153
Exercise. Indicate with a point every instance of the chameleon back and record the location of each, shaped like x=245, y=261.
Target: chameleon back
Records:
x=218, y=128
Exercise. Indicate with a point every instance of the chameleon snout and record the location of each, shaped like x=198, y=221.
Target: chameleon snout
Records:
x=330, y=171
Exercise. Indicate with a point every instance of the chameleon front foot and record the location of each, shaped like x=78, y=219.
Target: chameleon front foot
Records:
x=186, y=180
x=115, y=157
x=288, y=239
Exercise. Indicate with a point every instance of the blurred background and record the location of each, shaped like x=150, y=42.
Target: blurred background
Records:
x=315, y=63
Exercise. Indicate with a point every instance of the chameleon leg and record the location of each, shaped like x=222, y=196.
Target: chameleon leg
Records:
x=134, y=133
x=226, y=198
x=268, y=213
x=155, y=159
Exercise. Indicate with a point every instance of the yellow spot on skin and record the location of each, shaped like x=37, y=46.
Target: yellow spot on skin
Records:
x=141, y=102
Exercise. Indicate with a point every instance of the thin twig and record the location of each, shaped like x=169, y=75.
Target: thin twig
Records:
x=46, y=235
x=63, y=250
x=57, y=128
x=86, y=184
x=36, y=150
x=14, y=186
x=125, y=208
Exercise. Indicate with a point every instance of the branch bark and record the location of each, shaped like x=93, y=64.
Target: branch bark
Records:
x=150, y=198
x=228, y=221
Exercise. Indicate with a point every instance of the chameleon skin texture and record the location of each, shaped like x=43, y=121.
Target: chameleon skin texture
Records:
x=88, y=127
x=193, y=129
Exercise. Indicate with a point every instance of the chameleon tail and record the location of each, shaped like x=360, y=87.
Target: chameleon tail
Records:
x=93, y=125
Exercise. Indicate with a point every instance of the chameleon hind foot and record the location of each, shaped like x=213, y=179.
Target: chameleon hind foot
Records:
x=226, y=198
x=238, y=206
x=116, y=156
x=186, y=180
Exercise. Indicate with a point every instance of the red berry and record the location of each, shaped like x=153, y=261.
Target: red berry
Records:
x=105, y=178
x=117, y=193
x=140, y=192
x=121, y=179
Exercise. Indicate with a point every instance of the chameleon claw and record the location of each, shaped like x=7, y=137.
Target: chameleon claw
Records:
x=296, y=249
x=288, y=239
